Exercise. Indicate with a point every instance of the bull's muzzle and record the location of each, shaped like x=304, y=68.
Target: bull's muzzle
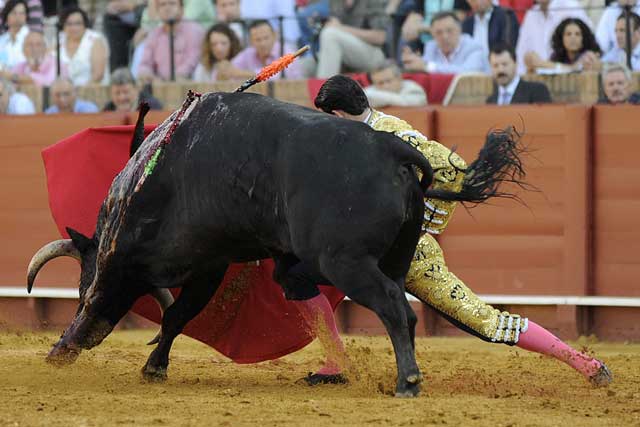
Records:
x=85, y=333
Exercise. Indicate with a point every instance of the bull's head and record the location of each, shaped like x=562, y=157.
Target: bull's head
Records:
x=102, y=300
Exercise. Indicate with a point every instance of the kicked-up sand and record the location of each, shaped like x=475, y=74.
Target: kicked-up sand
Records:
x=466, y=383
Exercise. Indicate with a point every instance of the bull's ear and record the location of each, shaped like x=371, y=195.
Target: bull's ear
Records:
x=80, y=241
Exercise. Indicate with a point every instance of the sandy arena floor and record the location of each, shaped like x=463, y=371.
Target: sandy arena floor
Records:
x=467, y=383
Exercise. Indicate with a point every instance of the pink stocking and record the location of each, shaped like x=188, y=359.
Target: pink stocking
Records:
x=538, y=339
x=318, y=315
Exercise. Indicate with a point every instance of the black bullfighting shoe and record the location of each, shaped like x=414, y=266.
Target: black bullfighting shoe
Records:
x=316, y=379
x=602, y=378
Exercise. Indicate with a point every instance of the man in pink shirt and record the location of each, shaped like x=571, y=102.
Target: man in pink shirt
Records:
x=39, y=66
x=156, y=59
x=264, y=49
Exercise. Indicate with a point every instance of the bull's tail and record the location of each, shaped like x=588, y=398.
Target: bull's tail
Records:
x=499, y=161
x=411, y=156
x=138, y=133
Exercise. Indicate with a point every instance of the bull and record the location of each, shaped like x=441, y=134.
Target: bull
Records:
x=242, y=177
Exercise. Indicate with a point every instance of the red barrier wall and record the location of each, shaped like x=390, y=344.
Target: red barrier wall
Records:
x=25, y=221
x=539, y=248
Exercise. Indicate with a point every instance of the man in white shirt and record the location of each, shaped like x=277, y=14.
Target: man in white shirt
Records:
x=606, y=32
x=539, y=24
x=12, y=102
x=389, y=89
x=619, y=54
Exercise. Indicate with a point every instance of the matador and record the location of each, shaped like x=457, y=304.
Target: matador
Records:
x=429, y=278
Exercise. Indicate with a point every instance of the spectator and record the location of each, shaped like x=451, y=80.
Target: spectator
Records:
x=156, y=58
x=538, y=26
x=389, y=89
x=64, y=97
x=219, y=46
x=34, y=15
x=121, y=21
x=39, y=66
x=449, y=52
x=616, y=82
x=574, y=49
x=83, y=51
x=200, y=11
x=12, y=102
x=228, y=12
x=619, y=54
x=14, y=15
x=606, y=32
x=125, y=96
x=353, y=36
x=508, y=88
x=251, y=10
x=417, y=24
x=489, y=24
x=310, y=18
x=264, y=49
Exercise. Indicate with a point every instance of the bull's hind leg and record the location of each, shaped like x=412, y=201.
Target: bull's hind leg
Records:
x=363, y=282
x=192, y=299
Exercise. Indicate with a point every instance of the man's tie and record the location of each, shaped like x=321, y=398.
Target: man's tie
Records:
x=505, y=98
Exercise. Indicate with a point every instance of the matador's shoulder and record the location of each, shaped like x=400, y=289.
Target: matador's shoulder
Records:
x=388, y=123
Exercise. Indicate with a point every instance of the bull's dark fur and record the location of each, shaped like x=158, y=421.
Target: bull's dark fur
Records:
x=247, y=177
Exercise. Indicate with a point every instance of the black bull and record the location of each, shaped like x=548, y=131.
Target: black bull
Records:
x=243, y=178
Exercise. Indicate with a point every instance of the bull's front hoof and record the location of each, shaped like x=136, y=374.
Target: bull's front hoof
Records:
x=154, y=374
x=62, y=356
x=411, y=386
x=411, y=390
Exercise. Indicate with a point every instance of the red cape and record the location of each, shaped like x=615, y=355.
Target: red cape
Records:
x=248, y=319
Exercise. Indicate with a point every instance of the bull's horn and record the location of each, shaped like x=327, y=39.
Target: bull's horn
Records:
x=63, y=247
x=164, y=299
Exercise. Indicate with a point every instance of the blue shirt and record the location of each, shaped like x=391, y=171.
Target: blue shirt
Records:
x=81, y=106
x=467, y=57
x=619, y=55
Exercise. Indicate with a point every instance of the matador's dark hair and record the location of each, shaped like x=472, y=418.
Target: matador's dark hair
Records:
x=341, y=93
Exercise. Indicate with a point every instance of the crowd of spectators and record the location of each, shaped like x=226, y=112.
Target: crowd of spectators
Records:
x=137, y=42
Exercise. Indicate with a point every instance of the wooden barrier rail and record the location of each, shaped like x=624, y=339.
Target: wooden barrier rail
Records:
x=473, y=89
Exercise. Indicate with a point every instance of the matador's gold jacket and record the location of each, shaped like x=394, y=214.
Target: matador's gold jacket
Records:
x=447, y=166
x=429, y=278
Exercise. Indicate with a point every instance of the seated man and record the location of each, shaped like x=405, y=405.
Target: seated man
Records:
x=39, y=66
x=156, y=58
x=64, y=98
x=508, y=87
x=263, y=50
x=389, y=89
x=428, y=278
x=619, y=53
x=125, y=95
x=490, y=25
x=353, y=36
x=450, y=51
x=12, y=102
x=617, y=84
